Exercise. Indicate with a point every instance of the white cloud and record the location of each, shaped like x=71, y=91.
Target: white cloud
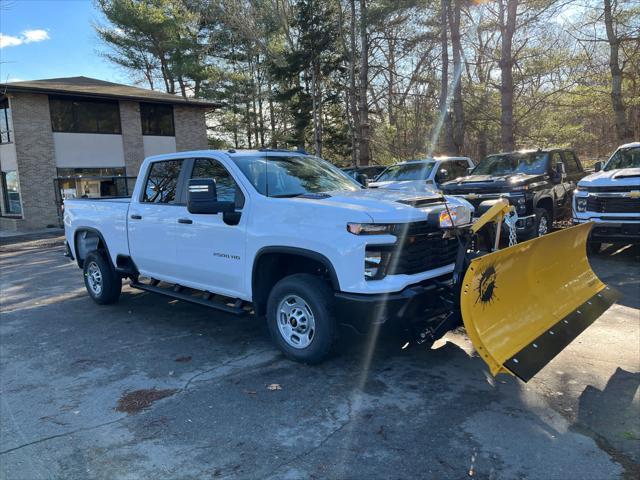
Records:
x=37, y=35
x=28, y=36
x=9, y=41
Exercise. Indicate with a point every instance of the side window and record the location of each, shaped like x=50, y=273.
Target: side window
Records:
x=226, y=186
x=555, y=159
x=461, y=168
x=162, y=182
x=571, y=162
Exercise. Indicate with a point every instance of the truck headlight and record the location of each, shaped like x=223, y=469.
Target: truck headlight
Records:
x=581, y=204
x=370, y=228
x=454, y=216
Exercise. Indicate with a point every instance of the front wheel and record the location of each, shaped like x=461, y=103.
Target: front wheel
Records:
x=301, y=319
x=543, y=222
x=100, y=278
x=594, y=248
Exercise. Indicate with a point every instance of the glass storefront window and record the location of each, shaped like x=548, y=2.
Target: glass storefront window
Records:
x=11, y=190
x=92, y=172
x=93, y=182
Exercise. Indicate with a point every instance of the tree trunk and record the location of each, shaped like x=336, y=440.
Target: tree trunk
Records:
x=272, y=116
x=507, y=29
x=445, y=118
x=353, y=93
x=364, y=85
x=316, y=108
x=456, y=45
x=619, y=110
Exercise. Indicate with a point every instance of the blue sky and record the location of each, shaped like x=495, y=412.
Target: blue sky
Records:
x=52, y=38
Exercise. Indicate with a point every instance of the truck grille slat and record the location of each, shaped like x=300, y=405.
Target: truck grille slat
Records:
x=613, y=204
x=421, y=248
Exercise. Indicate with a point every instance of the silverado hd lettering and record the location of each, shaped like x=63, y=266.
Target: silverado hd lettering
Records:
x=310, y=248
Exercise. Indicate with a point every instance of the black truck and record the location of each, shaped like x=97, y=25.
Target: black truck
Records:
x=539, y=183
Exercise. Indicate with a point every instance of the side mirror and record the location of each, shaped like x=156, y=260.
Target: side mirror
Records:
x=469, y=170
x=560, y=172
x=202, y=197
x=598, y=166
x=362, y=179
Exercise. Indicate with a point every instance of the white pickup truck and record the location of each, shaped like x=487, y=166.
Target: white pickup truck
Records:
x=285, y=233
x=611, y=199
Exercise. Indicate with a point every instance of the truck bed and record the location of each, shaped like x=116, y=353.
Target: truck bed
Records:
x=106, y=215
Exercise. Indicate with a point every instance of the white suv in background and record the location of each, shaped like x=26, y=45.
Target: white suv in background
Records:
x=421, y=174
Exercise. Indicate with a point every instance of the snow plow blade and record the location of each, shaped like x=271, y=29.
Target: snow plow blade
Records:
x=523, y=305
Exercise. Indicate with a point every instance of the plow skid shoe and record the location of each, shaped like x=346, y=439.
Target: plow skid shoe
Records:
x=523, y=305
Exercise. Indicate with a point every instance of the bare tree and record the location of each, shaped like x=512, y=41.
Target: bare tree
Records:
x=619, y=109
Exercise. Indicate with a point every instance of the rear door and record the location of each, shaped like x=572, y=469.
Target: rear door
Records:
x=153, y=219
x=211, y=247
x=560, y=188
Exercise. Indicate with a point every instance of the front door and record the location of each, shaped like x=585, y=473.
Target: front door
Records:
x=152, y=221
x=211, y=247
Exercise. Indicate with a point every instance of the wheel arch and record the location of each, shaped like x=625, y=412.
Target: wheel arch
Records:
x=271, y=264
x=547, y=203
x=87, y=239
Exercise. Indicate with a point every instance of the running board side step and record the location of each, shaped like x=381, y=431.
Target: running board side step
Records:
x=177, y=292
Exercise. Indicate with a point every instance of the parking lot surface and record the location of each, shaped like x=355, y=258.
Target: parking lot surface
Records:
x=155, y=388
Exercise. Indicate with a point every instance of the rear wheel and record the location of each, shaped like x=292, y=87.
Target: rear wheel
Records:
x=100, y=278
x=301, y=318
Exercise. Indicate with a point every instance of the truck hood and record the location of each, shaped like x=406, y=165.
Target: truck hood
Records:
x=490, y=183
x=384, y=206
x=625, y=177
x=413, y=185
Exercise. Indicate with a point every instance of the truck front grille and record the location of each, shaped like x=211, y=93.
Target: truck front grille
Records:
x=421, y=248
x=613, y=204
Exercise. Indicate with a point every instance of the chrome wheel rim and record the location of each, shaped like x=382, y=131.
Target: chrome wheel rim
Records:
x=296, y=322
x=94, y=278
x=543, y=226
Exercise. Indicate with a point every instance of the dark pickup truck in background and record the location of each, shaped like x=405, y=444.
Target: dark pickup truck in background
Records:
x=539, y=183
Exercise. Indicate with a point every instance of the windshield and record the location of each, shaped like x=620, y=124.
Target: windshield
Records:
x=508, y=163
x=407, y=171
x=290, y=176
x=627, y=158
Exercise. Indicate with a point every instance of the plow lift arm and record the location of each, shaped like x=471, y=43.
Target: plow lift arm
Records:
x=522, y=305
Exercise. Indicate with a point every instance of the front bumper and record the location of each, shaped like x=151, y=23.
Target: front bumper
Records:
x=612, y=231
x=411, y=305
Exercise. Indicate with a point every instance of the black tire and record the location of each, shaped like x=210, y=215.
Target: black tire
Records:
x=110, y=281
x=594, y=248
x=318, y=297
x=544, y=222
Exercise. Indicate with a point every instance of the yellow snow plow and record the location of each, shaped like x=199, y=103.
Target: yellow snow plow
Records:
x=522, y=305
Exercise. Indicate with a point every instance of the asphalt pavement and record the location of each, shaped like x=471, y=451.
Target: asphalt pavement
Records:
x=155, y=388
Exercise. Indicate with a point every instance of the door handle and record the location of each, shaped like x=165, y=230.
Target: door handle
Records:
x=136, y=217
x=185, y=220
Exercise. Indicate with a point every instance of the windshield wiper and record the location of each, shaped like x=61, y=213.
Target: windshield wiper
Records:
x=287, y=195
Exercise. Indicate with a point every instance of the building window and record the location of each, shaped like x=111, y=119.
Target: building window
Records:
x=78, y=115
x=157, y=119
x=5, y=121
x=11, y=190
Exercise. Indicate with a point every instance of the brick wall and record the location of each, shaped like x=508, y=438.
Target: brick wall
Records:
x=36, y=161
x=131, y=136
x=190, y=126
